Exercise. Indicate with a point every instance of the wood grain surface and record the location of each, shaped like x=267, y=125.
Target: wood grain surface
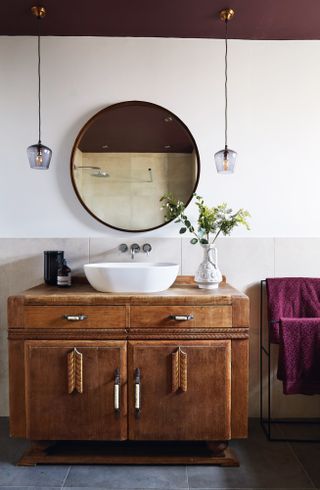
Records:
x=202, y=412
x=194, y=373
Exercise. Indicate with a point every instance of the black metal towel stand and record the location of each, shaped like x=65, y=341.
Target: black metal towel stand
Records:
x=265, y=353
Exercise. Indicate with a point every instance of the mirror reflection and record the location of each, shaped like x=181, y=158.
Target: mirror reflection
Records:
x=126, y=158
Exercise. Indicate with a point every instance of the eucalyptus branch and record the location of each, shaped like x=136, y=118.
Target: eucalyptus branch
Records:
x=216, y=236
x=211, y=221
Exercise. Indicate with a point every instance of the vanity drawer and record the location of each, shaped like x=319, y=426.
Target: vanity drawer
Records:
x=75, y=316
x=184, y=316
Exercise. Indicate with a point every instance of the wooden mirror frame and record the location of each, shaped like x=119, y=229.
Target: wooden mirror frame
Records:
x=91, y=121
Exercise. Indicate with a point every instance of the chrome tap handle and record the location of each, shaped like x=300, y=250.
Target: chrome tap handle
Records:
x=147, y=248
x=116, y=393
x=123, y=248
x=134, y=249
x=137, y=391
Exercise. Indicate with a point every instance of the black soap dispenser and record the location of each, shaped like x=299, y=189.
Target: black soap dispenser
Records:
x=64, y=275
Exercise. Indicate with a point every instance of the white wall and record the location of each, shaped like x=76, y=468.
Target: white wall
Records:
x=274, y=124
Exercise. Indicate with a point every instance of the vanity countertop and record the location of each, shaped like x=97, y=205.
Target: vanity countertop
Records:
x=183, y=291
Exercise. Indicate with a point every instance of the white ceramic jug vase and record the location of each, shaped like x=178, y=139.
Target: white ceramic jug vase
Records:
x=208, y=274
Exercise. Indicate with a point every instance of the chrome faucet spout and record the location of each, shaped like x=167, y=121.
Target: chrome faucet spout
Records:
x=134, y=249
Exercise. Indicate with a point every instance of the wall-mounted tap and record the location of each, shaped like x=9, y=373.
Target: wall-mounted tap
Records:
x=147, y=248
x=134, y=249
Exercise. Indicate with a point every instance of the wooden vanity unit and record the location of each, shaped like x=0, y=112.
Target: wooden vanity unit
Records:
x=129, y=378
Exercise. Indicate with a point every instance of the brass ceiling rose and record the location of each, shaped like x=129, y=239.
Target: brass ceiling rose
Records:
x=38, y=11
x=226, y=14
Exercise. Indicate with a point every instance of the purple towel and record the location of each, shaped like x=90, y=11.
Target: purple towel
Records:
x=291, y=297
x=299, y=355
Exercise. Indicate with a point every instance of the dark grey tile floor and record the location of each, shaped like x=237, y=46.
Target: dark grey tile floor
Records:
x=264, y=465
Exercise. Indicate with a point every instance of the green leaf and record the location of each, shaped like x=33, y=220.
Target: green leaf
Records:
x=211, y=222
x=194, y=241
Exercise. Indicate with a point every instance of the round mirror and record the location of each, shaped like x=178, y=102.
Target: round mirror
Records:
x=126, y=158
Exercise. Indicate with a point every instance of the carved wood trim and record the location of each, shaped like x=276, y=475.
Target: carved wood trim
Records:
x=75, y=371
x=183, y=358
x=138, y=334
x=135, y=334
x=71, y=372
x=79, y=371
x=64, y=334
x=179, y=370
x=188, y=334
x=175, y=371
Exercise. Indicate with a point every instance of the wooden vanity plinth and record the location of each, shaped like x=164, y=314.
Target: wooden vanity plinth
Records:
x=129, y=378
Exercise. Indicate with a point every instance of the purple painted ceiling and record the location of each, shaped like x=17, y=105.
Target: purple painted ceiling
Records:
x=255, y=19
x=136, y=127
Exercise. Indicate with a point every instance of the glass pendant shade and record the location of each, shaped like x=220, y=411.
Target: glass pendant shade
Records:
x=39, y=156
x=225, y=161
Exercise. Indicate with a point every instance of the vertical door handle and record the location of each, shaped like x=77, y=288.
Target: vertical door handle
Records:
x=75, y=371
x=183, y=370
x=175, y=371
x=179, y=370
x=71, y=372
x=137, y=391
x=116, y=392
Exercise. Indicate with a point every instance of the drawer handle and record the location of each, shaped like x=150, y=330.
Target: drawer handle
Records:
x=181, y=318
x=116, y=392
x=137, y=391
x=75, y=318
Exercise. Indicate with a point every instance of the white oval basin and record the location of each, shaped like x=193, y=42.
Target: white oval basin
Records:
x=131, y=277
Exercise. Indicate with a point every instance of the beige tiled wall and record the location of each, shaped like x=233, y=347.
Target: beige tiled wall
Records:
x=163, y=250
x=21, y=267
x=245, y=261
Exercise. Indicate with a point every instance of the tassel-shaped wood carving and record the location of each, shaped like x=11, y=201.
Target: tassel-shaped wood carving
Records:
x=75, y=371
x=71, y=372
x=183, y=371
x=179, y=370
x=175, y=371
x=79, y=371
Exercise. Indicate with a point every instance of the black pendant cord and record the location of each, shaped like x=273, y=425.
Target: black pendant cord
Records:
x=39, y=84
x=226, y=88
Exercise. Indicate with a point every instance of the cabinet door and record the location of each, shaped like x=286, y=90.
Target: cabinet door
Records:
x=73, y=388
x=185, y=390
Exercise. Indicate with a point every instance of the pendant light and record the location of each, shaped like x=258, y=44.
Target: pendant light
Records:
x=225, y=159
x=39, y=155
